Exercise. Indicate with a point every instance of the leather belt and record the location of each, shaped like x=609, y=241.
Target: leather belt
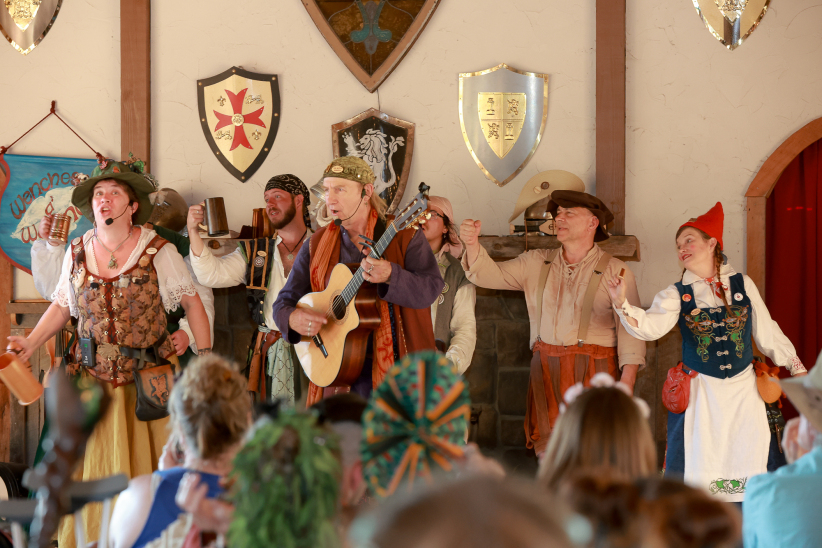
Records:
x=142, y=355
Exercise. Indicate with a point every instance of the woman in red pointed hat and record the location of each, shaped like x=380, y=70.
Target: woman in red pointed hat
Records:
x=719, y=433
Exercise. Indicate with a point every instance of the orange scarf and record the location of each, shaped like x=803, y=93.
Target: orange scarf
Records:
x=319, y=269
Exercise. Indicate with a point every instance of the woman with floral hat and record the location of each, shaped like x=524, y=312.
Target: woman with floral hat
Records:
x=718, y=432
x=117, y=280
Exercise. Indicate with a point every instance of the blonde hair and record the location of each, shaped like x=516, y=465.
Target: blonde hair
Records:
x=603, y=431
x=379, y=205
x=210, y=405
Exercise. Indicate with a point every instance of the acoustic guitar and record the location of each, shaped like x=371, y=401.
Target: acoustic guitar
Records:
x=335, y=355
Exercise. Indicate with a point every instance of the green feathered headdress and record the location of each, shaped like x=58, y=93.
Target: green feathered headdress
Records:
x=286, y=484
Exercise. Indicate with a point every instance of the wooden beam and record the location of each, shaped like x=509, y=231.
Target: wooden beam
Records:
x=503, y=248
x=135, y=79
x=610, y=108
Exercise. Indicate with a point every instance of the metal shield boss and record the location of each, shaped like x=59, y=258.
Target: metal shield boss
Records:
x=240, y=115
x=502, y=114
x=386, y=143
x=25, y=23
x=731, y=21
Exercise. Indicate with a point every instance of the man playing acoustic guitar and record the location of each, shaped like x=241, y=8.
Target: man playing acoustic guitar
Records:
x=407, y=276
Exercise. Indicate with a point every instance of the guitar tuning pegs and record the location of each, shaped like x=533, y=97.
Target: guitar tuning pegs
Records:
x=428, y=215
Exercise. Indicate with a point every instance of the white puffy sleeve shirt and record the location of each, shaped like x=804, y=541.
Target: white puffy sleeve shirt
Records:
x=663, y=315
x=172, y=273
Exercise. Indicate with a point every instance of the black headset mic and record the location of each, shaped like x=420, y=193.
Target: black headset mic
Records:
x=109, y=221
x=339, y=222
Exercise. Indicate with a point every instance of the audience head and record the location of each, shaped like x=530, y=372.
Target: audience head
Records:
x=470, y=512
x=285, y=484
x=209, y=407
x=342, y=413
x=414, y=425
x=602, y=431
x=652, y=513
x=805, y=393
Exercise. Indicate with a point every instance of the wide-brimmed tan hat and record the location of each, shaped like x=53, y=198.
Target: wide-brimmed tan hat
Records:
x=805, y=393
x=542, y=185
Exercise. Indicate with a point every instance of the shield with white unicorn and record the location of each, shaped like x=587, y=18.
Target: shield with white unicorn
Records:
x=385, y=142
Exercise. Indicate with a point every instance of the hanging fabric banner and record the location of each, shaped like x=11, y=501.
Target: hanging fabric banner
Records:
x=32, y=187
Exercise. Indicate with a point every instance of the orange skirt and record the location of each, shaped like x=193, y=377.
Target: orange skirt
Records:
x=559, y=368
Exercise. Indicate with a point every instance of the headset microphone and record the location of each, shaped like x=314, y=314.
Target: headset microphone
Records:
x=339, y=222
x=109, y=221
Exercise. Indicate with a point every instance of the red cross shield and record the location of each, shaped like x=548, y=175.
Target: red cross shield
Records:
x=240, y=115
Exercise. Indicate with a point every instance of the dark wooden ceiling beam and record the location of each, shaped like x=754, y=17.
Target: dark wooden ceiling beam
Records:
x=610, y=108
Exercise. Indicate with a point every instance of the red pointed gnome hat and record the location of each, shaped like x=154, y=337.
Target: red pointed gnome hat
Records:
x=711, y=223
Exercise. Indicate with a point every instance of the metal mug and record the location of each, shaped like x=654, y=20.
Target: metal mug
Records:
x=216, y=223
x=60, y=228
x=18, y=379
x=261, y=226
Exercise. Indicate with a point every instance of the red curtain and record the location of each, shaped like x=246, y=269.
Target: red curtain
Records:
x=793, y=273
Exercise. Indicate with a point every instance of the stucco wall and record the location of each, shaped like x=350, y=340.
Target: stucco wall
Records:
x=701, y=119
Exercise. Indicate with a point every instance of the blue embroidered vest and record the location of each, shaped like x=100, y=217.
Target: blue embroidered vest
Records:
x=715, y=343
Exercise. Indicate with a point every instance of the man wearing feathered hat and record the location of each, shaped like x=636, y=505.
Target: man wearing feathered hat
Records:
x=263, y=266
x=575, y=333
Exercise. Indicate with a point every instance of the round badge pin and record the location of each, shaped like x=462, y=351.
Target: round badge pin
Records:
x=686, y=298
x=441, y=299
x=144, y=261
x=737, y=296
x=259, y=262
x=261, y=253
x=695, y=312
x=76, y=241
x=151, y=250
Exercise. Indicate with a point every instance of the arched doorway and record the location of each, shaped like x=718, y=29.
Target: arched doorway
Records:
x=783, y=239
x=762, y=186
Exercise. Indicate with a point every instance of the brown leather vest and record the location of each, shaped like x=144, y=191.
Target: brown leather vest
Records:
x=124, y=310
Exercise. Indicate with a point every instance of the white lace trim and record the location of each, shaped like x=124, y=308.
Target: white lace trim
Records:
x=61, y=298
x=173, y=290
x=795, y=366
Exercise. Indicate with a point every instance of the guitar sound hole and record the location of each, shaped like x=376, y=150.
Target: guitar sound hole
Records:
x=338, y=307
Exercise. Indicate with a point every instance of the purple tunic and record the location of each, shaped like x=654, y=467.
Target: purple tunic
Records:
x=415, y=286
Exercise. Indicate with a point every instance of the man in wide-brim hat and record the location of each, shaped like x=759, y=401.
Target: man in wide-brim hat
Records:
x=575, y=333
x=781, y=508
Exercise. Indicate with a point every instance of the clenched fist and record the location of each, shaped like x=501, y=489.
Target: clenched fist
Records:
x=469, y=233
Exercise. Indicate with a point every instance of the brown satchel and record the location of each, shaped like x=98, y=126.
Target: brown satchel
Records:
x=154, y=386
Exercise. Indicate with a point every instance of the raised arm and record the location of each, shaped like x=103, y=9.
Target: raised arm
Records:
x=648, y=325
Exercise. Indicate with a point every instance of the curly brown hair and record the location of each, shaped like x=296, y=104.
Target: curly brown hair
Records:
x=210, y=405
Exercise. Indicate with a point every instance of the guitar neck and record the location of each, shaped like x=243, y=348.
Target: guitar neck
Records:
x=354, y=285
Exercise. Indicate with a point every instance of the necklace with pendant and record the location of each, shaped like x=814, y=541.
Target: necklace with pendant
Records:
x=112, y=262
x=290, y=255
